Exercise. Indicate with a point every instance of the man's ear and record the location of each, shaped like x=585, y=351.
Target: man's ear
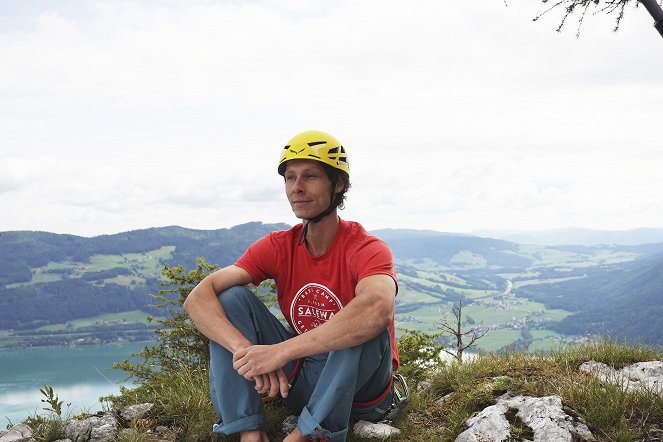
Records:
x=340, y=184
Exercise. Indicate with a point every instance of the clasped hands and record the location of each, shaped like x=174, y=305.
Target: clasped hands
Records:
x=263, y=364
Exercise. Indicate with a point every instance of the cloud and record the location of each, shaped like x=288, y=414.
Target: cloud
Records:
x=14, y=174
x=455, y=115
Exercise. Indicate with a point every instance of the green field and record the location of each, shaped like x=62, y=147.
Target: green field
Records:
x=149, y=263
x=423, y=319
x=544, y=340
x=504, y=313
x=132, y=317
x=141, y=265
x=519, y=284
x=496, y=339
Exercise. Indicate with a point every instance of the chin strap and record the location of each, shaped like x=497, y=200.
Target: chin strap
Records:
x=302, y=236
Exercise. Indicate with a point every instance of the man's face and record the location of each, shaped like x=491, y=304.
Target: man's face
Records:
x=307, y=187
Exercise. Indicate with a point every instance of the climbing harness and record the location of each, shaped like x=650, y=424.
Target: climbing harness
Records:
x=400, y=399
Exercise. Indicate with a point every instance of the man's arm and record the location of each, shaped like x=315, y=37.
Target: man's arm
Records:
x=362, y=319
x=206, y=311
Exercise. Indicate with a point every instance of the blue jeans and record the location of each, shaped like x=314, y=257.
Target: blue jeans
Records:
x=325, y=385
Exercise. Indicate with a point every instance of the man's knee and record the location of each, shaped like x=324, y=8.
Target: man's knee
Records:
x=380, y=343
x=235, y=298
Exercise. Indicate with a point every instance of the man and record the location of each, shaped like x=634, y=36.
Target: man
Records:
x=336, y=287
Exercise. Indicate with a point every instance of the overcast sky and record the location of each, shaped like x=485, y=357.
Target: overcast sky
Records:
x=456, y=116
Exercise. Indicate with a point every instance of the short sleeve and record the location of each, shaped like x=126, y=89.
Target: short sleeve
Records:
x=258, y=260
x=374, y=258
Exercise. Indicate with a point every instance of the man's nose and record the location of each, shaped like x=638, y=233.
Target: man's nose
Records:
x=297, y=185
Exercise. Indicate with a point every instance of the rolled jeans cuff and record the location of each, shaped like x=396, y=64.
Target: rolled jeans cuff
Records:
x=255, y=422
x=311, y=428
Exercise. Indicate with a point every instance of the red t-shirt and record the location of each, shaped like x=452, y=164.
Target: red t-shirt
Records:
x=310, y=289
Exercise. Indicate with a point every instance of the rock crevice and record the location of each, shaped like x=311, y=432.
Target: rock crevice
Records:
x=540, y=417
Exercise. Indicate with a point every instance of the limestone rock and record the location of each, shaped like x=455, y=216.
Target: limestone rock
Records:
x=135, y=412
x=79, y=430
x=17, y=433
x=596, y=367
x=642, y=375
x=544, y=416
x=489, y=425
x=106, y=430
x=444, y=398
x=548, y=420
x=93, y=429
x=160, y=429
x=424, y=387
x=371, y=430
x=289, y=424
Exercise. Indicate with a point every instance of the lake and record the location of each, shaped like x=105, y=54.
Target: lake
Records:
x=78, y=375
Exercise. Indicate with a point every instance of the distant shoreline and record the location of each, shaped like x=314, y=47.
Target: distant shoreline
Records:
x=75, y=345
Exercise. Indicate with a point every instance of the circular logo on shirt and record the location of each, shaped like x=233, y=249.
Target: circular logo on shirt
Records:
x=313, y=305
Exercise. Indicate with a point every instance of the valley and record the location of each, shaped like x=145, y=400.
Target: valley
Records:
x=63, y=290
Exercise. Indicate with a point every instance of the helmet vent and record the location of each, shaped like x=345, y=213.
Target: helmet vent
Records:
x=315, y=143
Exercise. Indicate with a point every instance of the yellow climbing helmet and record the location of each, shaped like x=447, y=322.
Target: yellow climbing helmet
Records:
x=315, y=145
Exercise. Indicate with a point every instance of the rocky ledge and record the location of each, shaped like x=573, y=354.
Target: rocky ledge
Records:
x=544, y=419
x=102, y=428
x=537, y=418
x=640, y=376
x=108, y=426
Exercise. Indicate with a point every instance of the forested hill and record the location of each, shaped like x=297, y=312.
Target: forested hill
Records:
x=23, y=251
x=48, y=278
x=454, y=250
x=625, y=302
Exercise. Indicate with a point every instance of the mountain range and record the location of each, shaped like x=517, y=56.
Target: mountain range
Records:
x=578, y=236
x=48, y=279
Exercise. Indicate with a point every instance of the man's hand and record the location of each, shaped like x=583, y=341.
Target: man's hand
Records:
x=263, y=364
x=272, y=383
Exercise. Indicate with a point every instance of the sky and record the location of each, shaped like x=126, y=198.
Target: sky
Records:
x=456, y=116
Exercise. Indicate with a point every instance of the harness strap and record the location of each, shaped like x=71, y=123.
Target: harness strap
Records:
x=377, y=399
x=292, y=376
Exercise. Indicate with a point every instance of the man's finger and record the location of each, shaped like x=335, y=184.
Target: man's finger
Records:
x=239, y=354
x=259, y=383
x=273, y=384
x=238, y=361
x=237, y=365
x=241, y=369
x=246, y=372
x=283, y=383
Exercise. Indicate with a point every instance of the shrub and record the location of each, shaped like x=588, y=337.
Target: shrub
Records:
x=418, y=352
